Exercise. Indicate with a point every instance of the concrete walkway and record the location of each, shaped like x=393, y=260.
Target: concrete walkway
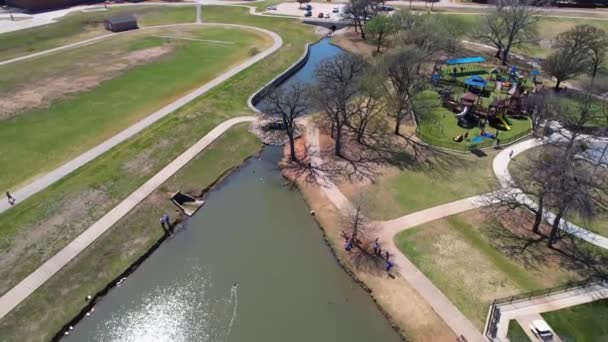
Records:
x=45, y=180
x=459, y=323
x=552, y=302
x=500, y=164
x=27, y=286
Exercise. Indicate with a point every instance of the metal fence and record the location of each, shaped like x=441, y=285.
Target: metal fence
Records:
x=494, y=312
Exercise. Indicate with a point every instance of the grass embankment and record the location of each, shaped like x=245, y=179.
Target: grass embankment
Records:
x=598, y=224
x=516, y=333
x=474, y=261
x=581, y=323
x=39, y=140
x=443, y=179
x=61, y=298
x=59, y=213
x=79, y=26
x=438, y=126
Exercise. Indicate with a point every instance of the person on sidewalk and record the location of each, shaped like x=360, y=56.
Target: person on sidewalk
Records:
x=511, y=154
x=11, y=199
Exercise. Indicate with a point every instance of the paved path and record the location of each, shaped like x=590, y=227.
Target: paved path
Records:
x=500, y=164
x=46, y=18
x=27, y=286
x=44, y=181
x=459, y=323
x=552, y=302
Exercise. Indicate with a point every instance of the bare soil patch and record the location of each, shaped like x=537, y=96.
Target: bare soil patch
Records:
x=351, y=41
x=86, y=75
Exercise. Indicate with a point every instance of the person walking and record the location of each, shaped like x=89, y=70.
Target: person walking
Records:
x=511, y=154
x=11, y=199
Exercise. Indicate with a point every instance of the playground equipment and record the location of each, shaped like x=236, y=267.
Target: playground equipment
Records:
x=188, y=204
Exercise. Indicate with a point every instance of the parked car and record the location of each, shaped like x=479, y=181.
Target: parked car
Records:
x=271, y=8
x=320, y=15
x=541, y=330
x=308, y=14
x=326, y=15
x=386, y=9
x=308, y=7
x=336, y=10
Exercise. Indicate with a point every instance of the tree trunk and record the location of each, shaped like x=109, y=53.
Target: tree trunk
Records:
x=505, y=56
x=292, y=148
x=594, y=72
x=555, y=228
x=498, y=52
x=538, y=219
x=557, y=84
x=397, y=125
x=379, y=43
x=339, y=141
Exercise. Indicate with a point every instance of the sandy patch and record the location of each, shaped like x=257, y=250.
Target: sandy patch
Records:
x=87, y=75
x=351, y=41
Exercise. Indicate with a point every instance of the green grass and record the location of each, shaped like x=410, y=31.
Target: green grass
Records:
x=516, y=333
x=61, y=298
x=79, y=26
x=581, y=323
x=443, y=179
x=124, y=168
x=42, y=139
x=438, y=126
x=463, y=256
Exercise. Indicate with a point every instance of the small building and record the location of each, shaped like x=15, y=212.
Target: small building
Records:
x=119, y=23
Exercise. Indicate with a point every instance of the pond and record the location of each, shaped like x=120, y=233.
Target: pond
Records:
x=318, y=52
x=251, y=265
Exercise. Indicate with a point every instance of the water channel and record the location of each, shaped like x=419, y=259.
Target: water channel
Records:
x=254, y=232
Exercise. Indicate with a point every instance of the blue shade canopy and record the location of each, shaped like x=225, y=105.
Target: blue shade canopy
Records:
x=465, y=60
x=476, y=81
x=534, y=72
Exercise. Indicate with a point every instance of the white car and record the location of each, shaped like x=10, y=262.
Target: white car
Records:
x=541, y=330
x=271, y=8
x=326, y=15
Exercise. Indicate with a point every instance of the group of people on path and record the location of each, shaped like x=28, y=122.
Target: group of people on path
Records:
x=165, y=222
x=377, y=250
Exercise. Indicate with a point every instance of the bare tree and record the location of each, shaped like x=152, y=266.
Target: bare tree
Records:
x=564, y=64
x=431, y=34
x=301, y=2
x=357, y=235
x=540, y=108
x=361, y=11
x=337, y=86
x=369, y=110
x=381, y=28
x=511, y=26
x=588, y=41
x=288, y=105
x=401, y=67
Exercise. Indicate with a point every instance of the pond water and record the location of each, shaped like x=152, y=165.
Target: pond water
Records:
x=257, y=233
x=318, y=52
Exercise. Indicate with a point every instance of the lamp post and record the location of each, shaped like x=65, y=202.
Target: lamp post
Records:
x=199, y=18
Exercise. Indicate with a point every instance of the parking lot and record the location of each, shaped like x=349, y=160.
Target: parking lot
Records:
x=293, y=9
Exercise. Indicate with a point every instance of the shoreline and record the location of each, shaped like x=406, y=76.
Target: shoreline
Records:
x=178, y=223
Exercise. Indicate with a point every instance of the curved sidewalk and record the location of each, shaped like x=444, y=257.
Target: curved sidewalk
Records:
x=444, y=308
x=27, y=286
x=51, y=177
x=500, y=165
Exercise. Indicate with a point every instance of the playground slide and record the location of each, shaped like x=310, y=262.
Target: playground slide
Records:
x=463, y=113
x=504, y=123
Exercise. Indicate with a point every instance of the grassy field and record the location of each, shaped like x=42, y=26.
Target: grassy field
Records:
x=581, y=323
x=41, y=139
x=516, y=333
x=473, y=262
x=438, y=126
x=61, y=298
x=598, y=225
x=79, y=26
x=444, y=179
x=62, y=211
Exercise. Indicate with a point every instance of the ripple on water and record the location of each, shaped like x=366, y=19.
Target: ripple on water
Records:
x=175, y=313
